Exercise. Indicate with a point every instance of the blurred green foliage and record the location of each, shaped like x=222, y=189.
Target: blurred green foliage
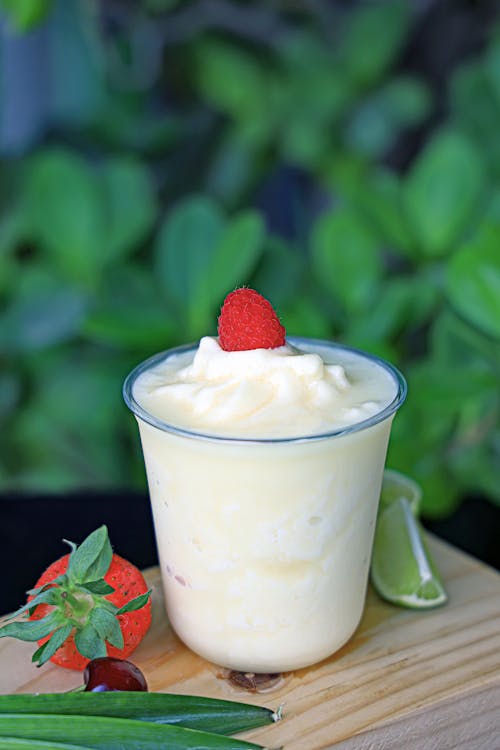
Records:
x=202, y=146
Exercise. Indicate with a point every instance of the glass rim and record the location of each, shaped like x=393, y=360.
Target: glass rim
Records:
x=364, y=424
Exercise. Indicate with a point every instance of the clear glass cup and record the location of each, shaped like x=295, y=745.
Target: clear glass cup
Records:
x=264, y=545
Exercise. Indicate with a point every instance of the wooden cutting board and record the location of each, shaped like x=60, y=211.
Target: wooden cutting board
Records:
x=412, y=680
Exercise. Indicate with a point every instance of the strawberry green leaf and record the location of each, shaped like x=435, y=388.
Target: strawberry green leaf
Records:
x=49, y=648
x=56, y=581
x=89, y=643
x=108, y=606
x=91, y=560
x=46, y=596
x=107, y=626
x=135, y=604
x=31, y=630
x=97, y=587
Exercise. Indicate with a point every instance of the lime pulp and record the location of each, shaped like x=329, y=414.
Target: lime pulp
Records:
x=402, y=569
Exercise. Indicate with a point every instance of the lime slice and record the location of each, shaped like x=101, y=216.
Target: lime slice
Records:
x=402, y=570
x=396, y=485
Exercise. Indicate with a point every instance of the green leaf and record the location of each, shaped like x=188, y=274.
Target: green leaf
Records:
x=64, y=202
x=49, y=648
x=386, y=318
x=473, y=280
x=52, y=315
x=97, y=587
x=303, y=316
x=31, y=630
x=235, y=82
x=46, y=586
x=130, y=313
x=130, y=206
x=377, y=194
x=475, y=107
x=230, y=171
x=346, y=259
x=89, y=643
x=113, y=733
x=136, y=603
x=185, y=248
x=378, y=120
x=374, y=35
x=492, y=65
x=442, y=191
x=207, y=714
x=91, y=560
x=233, y=260
x=107, y=626
x=476, y=465
x=146, y=329
x=76, y=69
x=46, y=596
x=10, y=393
x=24, y=14
x=454, y=341
x=200, y=258
x=281, y=271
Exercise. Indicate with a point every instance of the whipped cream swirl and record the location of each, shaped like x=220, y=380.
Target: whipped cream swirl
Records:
x=264, y=393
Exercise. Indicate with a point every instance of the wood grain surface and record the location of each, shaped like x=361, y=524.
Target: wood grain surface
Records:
x=413, y=680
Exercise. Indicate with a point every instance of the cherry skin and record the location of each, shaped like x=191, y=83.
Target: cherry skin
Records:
x=110, y=674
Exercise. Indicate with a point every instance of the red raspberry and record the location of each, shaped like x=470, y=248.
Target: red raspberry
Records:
x=248, y=321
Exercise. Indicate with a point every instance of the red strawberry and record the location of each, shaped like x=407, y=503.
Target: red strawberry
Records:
x=87, y=604
x=248, y=321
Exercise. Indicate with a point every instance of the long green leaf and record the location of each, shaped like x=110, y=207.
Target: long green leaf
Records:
x=207, y=714
x=104, y=733
x=17, y=743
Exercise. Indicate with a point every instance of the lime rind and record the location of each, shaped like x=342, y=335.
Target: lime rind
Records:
x=396, y=485
x=402, y=570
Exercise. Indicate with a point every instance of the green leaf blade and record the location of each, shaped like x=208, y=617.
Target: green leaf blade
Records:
x=131, y=206
x=49, y=648
x=233, y=261
x=341, y=244
x=195, y=712
x=107, y=626
x=442, y=191
x=134, y=604
x=26, y=14
x=31, y=630
x=100, y=587
x=185, y=248
x=66, y=213
x=92, y=558
x=473, y=280
x=104, y=733
x=89, y=643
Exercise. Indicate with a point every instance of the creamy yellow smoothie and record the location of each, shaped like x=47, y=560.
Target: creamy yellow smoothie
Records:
x=264, y=470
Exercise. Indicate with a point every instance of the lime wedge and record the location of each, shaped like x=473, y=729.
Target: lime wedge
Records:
x=396, y=485
x=402, y=570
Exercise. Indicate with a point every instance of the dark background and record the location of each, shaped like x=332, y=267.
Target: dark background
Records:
x=33, y=529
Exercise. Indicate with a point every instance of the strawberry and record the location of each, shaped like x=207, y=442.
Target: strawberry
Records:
x=248, y=321
x=89, y=603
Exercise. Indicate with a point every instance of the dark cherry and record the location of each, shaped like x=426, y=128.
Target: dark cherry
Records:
x=110, y=674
